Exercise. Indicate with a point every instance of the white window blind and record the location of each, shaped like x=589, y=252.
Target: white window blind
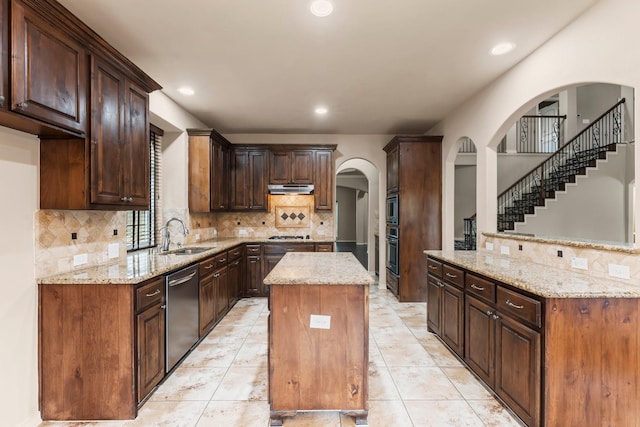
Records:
x=142, y=226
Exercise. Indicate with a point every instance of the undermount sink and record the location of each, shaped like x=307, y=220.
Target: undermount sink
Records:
x=187, y=251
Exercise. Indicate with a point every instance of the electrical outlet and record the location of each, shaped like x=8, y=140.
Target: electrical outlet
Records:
x=242, y=232
x=80, y=259
x=504, y=250
x=320, y=232
x=579, y=263
x=489, y=246
x=619, y=271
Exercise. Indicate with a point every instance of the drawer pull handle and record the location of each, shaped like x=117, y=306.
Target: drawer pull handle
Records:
x=476, y=287
x=510, y=304
x=237, y=262
x=154, y=293
x=433, y=267
x=222, y=260
x=453, y=276
x=208, y=267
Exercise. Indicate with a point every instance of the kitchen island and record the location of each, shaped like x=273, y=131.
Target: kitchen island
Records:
x=318, y=335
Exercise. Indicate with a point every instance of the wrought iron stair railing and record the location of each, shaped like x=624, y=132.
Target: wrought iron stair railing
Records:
x=572, y=159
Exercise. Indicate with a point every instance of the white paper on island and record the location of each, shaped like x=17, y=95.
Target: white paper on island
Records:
x=319, y=321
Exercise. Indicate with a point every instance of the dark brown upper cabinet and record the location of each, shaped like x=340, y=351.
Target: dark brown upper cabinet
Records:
x=291, y=167
x=4, y=55
x=87, y=102
x=249, y=173
x=48, y=71
x=208, y=171
x=323, y=180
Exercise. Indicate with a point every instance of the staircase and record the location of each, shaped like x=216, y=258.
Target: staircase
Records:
x=562, y=167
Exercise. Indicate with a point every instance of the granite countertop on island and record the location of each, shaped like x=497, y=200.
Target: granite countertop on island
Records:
x=142, y=265
x=538, y=279
x=319, y=268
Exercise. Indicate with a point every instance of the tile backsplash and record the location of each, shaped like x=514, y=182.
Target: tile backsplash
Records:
x=56, y=249
x=563, y=255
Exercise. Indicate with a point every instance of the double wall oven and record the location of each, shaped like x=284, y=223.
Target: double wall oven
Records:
x=392, y=236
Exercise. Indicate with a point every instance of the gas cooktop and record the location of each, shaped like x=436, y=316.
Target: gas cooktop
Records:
x=285, y=237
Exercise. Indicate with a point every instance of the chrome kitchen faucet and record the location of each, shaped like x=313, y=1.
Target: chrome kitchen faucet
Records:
x=166, y=237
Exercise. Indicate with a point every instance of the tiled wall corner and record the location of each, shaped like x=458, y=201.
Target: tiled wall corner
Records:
x=55, y=247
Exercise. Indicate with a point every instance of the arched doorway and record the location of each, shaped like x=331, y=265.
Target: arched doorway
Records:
x=357, y=214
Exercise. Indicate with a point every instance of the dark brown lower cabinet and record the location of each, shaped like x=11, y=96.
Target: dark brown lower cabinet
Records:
x=253, y=286
x=150, y=329
x=445, y=313
x=434, y=299
x=235, y=279
x=221, y=286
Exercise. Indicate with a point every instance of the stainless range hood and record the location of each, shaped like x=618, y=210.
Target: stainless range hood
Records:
x=291, y=189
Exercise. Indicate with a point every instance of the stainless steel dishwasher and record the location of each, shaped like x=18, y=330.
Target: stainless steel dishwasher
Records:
x=182, y=314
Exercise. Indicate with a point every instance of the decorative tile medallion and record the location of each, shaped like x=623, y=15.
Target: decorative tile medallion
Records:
x=292, y=216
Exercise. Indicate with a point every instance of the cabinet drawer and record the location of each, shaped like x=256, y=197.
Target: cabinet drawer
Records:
x=480, y=287
x=271, y=249
x=520, y=306
x=235, y=253
x=149, y=294
x=324, y=247
x=434, y=267
x=253, y=249
x=207, y=266
x=453, y=275
x=221, y=260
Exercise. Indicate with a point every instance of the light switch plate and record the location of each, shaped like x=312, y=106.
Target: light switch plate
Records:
x=113, y=250
x=579, y=263
x=80, y=259
x=619, y=271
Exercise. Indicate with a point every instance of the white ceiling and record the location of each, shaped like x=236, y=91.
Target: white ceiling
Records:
x=379, y=66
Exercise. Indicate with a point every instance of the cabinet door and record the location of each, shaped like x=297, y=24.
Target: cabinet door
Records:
x=302, y=167
x=107, y=138
x=393, y=160
x=235, y=280
x=136, y=160
x=480, y=330
x=219, y=177
x=150, y=349
x=254, y=286
x=4, y=54
x=239, y=180
x=222, y=291
x=270, y=262
x=206, y=304
x=323, y=182
x=518, y=374
x=280, y=167
x=258, y=175
x=434, y=301
x=453, y=318
x=48, y=71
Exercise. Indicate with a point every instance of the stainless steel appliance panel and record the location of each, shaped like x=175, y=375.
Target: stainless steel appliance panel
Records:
x=182, y=314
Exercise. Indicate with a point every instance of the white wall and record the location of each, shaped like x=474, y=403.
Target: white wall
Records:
x=19, y=158
x=598, y=47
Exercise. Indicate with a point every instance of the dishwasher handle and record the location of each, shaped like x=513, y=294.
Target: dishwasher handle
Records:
x=180, y=281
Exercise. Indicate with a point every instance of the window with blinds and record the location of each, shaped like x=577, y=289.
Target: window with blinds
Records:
x=142, y=226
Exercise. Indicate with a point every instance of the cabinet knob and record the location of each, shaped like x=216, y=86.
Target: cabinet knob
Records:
x=123, y=199
x=216, y=275
x=2, y=99
x=23, y=105
x=489, y=312
x=495, y=317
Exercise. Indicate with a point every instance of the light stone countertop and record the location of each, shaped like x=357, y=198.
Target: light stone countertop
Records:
x=319, y=268
x=146, y=264
x=538, y=279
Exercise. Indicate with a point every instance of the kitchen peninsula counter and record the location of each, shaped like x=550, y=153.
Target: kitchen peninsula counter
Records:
x=559, y=347
x=318, y=335
x=538, y=279
x=146, y=264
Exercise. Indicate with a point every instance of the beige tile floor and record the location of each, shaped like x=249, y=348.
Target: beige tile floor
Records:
x=413, y=379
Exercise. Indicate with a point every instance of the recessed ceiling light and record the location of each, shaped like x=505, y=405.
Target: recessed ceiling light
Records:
x=185, y=90
x=321, y=111
x=502, y=48
x=321, y=8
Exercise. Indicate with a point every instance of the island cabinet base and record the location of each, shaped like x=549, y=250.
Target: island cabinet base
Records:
x=318, y=350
